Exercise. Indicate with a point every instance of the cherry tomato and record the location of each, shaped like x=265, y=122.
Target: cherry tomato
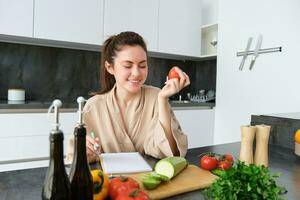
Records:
x=135, y=194
x=208, y=162
x=227, y=157
x=224, y=165
x=121, y=185
x=173, y=74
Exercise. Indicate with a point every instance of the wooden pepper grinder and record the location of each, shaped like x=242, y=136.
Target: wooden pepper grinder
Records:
x=246, y=151
x=262, y=140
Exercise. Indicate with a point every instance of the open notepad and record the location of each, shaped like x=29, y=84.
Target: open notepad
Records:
x=122, y=163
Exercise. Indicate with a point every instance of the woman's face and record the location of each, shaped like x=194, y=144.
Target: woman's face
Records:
x=130, y=68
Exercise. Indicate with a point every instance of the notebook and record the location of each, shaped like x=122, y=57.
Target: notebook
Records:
x=123, y=163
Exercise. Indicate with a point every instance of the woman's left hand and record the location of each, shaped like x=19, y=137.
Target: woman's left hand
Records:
x=173, y=86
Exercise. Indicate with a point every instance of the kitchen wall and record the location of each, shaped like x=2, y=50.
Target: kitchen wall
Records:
x=47, y=73
x=273, y=84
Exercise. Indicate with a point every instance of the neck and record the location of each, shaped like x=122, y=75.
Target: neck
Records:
x=125, y=97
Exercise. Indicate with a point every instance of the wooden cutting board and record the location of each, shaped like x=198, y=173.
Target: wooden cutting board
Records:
x=191, y=178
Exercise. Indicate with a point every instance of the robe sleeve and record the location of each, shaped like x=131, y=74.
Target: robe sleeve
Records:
x=156, y=143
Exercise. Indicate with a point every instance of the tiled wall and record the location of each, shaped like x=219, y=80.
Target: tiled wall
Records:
x=47, y=73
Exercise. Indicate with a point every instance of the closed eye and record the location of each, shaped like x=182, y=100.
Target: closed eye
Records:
x=143, y=66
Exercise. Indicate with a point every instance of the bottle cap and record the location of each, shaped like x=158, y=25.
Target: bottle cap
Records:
x=56, y=104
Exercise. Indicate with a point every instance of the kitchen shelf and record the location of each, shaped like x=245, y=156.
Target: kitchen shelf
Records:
x=209, y=40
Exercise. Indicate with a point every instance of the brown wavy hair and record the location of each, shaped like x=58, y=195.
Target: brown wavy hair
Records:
x=111, y=46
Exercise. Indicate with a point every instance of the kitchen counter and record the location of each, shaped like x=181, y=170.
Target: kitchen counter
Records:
x=42, y=107
x=27, y=184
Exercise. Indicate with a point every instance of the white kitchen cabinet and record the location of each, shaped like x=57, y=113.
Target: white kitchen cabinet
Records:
x=198, y=125
x=73, y=21
x=140, y=16
x=209, y=28
x=26, y=136
x=180, y=27
x=16, y=17
x=209, y=40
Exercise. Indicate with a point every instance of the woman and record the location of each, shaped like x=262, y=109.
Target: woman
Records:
x=127, y=115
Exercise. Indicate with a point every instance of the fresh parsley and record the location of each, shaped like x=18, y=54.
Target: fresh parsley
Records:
x=244, y=182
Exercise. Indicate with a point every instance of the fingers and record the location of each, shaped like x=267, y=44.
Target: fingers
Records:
x=92, y=144
x=187, y=80
x=184, y=78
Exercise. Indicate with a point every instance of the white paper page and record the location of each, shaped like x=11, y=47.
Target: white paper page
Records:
x=118, y=163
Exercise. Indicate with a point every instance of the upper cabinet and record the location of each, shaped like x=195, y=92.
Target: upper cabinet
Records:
x=209, y=29
x=140, y=16
x=209, y=40
x=179, y=30
x=16, y=17
x=73, y=21
x=168, y=26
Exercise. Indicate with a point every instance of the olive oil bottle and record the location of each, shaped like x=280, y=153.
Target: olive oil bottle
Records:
x=80, y=175
x=57, y=184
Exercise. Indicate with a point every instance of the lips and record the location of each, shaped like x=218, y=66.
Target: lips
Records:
x=134, y=82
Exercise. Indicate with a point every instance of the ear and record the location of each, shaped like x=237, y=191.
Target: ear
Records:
x=109, y=68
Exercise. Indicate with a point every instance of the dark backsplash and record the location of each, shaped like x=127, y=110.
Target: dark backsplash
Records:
x=47, y=73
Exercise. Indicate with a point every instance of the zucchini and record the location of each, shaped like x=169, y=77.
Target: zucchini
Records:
x=150, y=182
x=170, y=166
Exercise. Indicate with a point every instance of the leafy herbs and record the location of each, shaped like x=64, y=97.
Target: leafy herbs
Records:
x=243, y=182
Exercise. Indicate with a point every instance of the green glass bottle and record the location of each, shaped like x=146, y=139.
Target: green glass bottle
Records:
x=80, y=175
x=56, y=184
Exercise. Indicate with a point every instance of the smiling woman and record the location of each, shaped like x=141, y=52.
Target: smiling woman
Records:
x=127, y=115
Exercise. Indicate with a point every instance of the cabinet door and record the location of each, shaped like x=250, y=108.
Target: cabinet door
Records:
x=26, y=136
x=16, y=17
x=198, y=125
x=73, y=21
x=140, y=16
x=180, y=27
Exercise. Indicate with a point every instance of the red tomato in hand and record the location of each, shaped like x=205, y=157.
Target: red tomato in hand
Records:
x=135, y=194
x=208, y=162
x=121, y=185
x=173, y=74
x=224, y=165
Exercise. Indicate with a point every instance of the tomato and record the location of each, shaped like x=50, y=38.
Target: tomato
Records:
x=121, y=185
x=173, y=74
x=208, y=162
x=224, y=165
x=134, y=194
x=227, y=157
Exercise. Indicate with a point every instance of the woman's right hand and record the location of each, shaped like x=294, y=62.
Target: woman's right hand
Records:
x=90, y=151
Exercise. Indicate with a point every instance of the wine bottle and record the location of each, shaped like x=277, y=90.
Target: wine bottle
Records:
x=57, y=184
x=80, y=175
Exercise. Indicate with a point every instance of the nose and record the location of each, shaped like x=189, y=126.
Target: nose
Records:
x=135, y=71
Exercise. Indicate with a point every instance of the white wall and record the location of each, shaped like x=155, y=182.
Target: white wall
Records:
x=273, y=86
x=209, y=10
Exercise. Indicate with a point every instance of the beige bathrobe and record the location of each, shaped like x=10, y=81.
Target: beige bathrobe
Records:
x=140, y=131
